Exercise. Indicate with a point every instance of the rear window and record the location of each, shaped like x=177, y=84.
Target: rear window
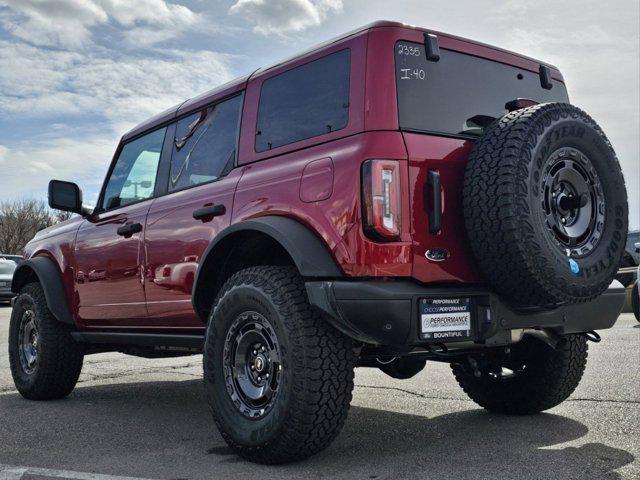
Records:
x=304, y=102
x=460, y=94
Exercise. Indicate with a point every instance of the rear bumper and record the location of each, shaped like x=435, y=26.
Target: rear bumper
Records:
x=386, y=312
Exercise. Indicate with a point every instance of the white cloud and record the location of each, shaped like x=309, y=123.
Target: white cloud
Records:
x=285, y=16
x=27, y=170
x=37, y=83
x=115, y=93
x=67, y=23
x=150, y=12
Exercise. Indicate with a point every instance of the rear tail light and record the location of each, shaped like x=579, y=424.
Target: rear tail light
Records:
x=381, y=199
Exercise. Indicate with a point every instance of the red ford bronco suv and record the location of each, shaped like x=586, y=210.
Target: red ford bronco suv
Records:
x=391, y=197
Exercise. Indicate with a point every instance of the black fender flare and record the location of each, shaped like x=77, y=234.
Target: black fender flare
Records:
x=48, y=275
x=306, y=249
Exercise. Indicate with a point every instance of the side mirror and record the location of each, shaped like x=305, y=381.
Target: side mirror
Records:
x=65, y=196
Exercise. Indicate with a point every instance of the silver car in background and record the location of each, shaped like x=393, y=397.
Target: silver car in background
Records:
x=8, y=265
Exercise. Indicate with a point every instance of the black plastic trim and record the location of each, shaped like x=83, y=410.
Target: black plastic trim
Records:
x=51, y=281
x=545, y=77
x=305, y=248
x=435, y=205
x=209, y=212
x=431, y=47
x=385, y=312
x=141, y=339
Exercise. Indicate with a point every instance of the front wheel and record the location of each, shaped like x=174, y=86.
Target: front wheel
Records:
x=45, y=361
x=533, y=378
x=277, y=377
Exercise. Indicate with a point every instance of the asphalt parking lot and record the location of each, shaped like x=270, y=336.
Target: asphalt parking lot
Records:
x=137, y=418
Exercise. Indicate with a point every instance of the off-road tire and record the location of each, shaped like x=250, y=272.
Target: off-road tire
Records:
x=550, y=376
x=317, y=369
x=59, y=357
x=504, y=199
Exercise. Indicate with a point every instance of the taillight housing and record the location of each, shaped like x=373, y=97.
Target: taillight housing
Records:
x=381, y=199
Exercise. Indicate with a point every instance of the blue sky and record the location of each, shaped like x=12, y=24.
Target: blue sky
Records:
x=76, y=74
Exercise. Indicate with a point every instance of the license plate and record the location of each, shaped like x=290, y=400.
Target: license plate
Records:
x=445, y=319
x=4, y=284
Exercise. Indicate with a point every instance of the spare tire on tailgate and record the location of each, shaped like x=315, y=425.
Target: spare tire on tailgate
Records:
x=545, y=206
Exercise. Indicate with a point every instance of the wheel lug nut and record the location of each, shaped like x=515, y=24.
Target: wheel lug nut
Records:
x=262, y=349
x=255, y=352
x=563, y=220
x=259, y=379
x=252, y=367
x=266, y=376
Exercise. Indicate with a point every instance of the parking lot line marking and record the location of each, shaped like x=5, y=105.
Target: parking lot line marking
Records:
x=9, y=472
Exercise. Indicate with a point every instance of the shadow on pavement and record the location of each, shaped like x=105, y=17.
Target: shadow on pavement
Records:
x=164, y=430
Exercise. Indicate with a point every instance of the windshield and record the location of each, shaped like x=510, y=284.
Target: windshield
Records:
x=460, y=94
x=7, y=267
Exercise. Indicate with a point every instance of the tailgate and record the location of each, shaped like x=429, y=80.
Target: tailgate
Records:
x=446, y=157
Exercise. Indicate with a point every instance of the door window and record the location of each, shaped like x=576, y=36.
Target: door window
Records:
x=134, y=176
x=205, y=144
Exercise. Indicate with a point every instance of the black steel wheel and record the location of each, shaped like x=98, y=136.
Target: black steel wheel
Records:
x=573, y=201
x=252, y=364
x=28, y=341
x=278, y=378
x=545, y=207
x=45, y=361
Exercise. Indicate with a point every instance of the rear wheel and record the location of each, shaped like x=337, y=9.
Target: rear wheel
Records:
x=45, y=361
x=278, y=378
x=533, y=378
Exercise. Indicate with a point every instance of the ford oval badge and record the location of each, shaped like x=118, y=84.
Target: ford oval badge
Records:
x=437, y=254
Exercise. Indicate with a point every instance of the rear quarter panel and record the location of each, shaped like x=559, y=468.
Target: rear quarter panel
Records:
x=272, y=187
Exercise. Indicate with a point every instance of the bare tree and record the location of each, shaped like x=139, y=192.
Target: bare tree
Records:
x=21, y=219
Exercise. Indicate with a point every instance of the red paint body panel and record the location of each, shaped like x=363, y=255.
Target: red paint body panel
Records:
x=448, y=157
x=145, y=281
x=271, y=187
x=174, y=243
x=316, y=183
x=58, y=244
x=109, y=288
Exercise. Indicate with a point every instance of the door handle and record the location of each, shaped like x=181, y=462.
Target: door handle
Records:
x=435, y=212
x=207, y=212
x=129, y=229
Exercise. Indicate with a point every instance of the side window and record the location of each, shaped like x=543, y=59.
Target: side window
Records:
x=134, y=176
x=204, y=144
x=304, y=102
